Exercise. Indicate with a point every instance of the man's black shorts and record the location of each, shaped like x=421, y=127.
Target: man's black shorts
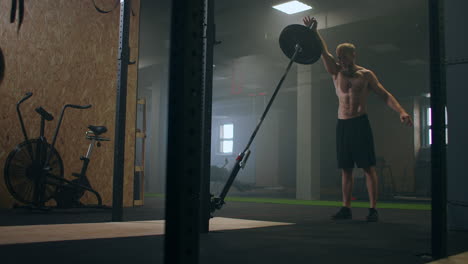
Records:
x=354, y=143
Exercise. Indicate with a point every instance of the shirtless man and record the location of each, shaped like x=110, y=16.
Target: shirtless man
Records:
x=354, y=140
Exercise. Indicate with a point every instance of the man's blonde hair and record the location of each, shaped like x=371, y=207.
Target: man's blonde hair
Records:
x=346, y=48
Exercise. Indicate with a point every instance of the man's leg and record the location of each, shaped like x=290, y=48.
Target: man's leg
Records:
x=347, y=189
x=372, y=185
x=347, y=182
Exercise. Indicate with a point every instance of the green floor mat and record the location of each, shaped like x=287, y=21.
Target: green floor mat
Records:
x=387, y=205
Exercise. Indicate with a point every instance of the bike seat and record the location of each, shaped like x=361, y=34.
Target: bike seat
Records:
x=98, y=130
x=46, y=115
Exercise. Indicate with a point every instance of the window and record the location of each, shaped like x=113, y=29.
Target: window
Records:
x=427, y=127
x=226, y=136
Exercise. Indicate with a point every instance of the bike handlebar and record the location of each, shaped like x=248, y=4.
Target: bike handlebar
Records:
x=59, y=123
x=20, y=118
x=26, y=97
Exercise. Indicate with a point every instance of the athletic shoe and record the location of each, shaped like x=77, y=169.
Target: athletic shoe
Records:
x=343, y=213
x=373, y=215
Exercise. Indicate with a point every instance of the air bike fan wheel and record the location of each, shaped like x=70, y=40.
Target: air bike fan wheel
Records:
x=23, y=168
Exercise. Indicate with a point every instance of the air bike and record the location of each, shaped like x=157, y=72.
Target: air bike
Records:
x=301, y=45
x=34, y=172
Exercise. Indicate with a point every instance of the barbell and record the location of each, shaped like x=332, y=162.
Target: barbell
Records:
x=307, y=41
x=299, y=44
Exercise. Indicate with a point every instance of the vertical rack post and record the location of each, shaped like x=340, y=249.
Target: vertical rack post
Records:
x=207, y=110
x=438, y=147
x=184, y=140
x=121, y=109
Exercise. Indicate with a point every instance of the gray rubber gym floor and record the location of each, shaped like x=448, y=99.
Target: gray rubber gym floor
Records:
x=400, y=237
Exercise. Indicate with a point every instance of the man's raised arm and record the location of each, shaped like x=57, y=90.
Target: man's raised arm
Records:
x=328, y=60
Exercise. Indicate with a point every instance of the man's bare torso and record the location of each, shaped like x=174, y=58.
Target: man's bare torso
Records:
x=352, y=89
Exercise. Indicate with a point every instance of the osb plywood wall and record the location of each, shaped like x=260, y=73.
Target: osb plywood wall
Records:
x=66, y=53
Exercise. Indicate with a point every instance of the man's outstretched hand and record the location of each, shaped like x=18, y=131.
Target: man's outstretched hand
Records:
x=310, y=22
x=406, y=119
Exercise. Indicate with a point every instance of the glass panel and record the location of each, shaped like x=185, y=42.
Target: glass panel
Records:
x=293, y=155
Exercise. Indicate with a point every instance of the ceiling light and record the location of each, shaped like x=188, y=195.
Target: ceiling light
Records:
x=292, y=7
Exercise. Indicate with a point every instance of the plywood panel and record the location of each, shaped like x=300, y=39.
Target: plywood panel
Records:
x=66, y=52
